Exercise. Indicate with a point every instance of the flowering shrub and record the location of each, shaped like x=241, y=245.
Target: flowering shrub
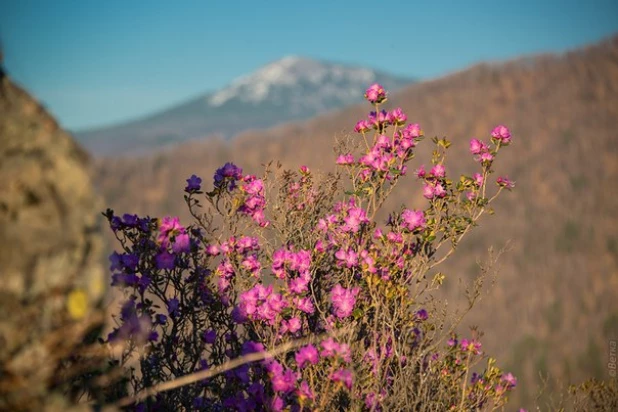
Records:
x=298, y=260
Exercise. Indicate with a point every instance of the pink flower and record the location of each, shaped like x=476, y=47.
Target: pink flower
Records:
x=397, y=117
x=471, y=346
x=413, y=219
x=247, y=243
x=413, y=130
x=510, y=380
x=252, y=264
x=344, y=376
x=170, y=227
x=329, y=347
x=170, y=224
x=349, y=257
x=343, y=300
x=383, y=142
x=486, y=157
x=478, y=179
x=395, y=237
x=438, y=170
x=375, y=93
x=420, y=172
x=182, y=243
x=293, y=325
x=304, y=304
x=253, y=186
x=428, y=191
x=439, y=190
x=377, y=119
x=346, y=159
x=304, y=391
x=307, y=355
x=298, y=285
x=505, y=182
x=476, y=146
x=284, y=382
x=362, y=126
x=356, y=216
x=501, y=133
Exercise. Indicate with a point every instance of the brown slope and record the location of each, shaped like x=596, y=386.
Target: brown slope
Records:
x=50, y=244
x=555, y=305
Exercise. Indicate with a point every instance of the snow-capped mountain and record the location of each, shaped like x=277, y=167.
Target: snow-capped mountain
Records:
x=292, y=88
x=272, y=81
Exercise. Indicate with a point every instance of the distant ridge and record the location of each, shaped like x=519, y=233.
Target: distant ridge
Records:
x=292, y=88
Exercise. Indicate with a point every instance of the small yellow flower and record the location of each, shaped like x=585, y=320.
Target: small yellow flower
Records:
x=77, y=304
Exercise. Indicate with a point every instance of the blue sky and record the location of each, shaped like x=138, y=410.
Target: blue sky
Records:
x=99, y=62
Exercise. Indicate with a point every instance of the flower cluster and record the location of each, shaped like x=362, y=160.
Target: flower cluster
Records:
x=200, y=297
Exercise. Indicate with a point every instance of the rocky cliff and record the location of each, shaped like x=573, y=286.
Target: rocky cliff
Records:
x=50, y=248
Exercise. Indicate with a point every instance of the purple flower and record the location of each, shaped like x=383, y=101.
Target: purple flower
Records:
x=124, y=279
x=129, y=220
x=252, y=347
x=422, y=314
x=172, y=307
x=193, y=184
x=307, y=355
x=161, y=319
x=115, y=223
x=229, y=172
x=182, y=244
x=115, y=261
x=165, y=260
x=130, y=261
x=153, y=336
x=209, y=336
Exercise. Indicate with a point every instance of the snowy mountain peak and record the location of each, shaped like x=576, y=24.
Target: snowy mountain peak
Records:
x=291, y=72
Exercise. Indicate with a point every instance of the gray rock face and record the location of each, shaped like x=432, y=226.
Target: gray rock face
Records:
x=50, y=245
